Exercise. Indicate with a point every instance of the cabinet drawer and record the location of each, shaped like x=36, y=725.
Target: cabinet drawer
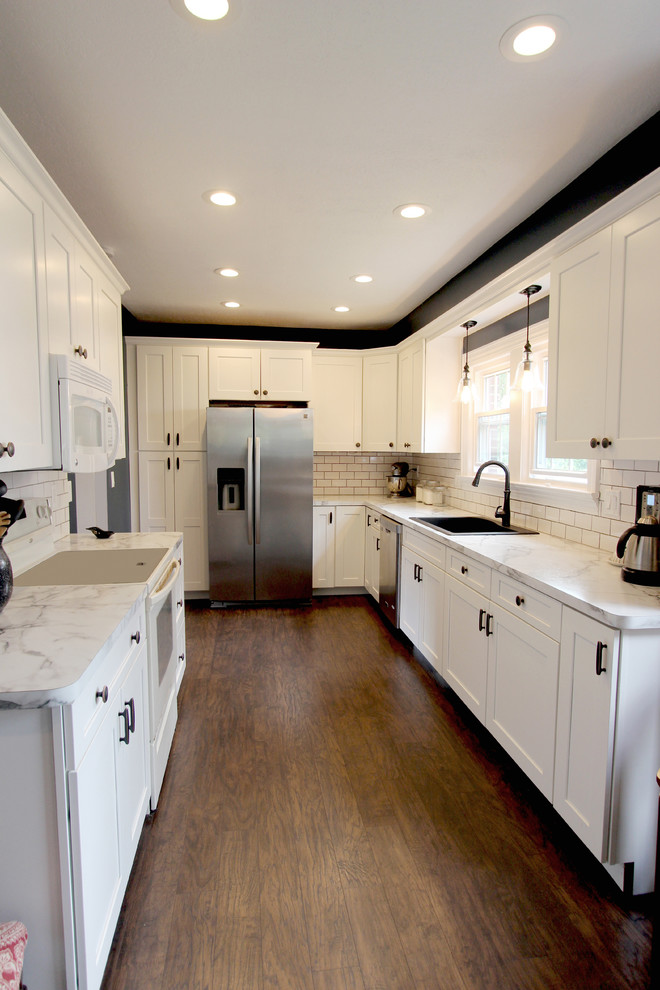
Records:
x=373, y=519
x=537, y=609
x=469, y=571
x=83, y=717
x=424, y=545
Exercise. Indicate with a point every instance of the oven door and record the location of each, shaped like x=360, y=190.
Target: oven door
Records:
x=162, y=654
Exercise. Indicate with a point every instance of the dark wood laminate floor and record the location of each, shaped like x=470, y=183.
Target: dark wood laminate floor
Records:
x=332, y=819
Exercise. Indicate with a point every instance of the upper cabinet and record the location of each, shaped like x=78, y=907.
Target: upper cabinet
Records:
x=25, y=424
x=172, y=397
x=337, y=401
x=410, y=416
x=250, y=374
x=604, y=355
x=379, y=407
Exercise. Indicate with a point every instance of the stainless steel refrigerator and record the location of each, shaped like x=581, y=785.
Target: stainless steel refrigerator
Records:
x=260, y=464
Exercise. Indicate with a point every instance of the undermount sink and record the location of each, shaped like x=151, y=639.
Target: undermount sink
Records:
x=471, y=526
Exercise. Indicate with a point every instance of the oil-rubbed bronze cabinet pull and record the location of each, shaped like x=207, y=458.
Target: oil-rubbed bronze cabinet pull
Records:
x=600, y=666
x=482, y=612
x=103, y=694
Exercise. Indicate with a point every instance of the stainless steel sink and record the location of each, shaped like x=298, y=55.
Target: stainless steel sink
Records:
x=471, y=526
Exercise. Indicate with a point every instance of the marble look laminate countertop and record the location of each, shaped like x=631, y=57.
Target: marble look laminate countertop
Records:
x=50, y=636
x=575, y=575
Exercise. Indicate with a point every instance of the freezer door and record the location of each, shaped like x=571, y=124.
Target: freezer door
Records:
x=283, y=504
x=230, y=438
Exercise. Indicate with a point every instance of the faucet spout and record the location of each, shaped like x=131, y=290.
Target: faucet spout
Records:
x=503, y=511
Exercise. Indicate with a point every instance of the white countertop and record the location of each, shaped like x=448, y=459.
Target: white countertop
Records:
x=573, y=574
x=50, y=636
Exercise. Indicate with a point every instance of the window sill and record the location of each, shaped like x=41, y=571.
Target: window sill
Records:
x=540, y=494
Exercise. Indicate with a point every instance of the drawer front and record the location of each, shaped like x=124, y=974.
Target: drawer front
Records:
x=424, y=545
x=534, y=607
x=373, y=519
x=469, y=571
x=83, y=717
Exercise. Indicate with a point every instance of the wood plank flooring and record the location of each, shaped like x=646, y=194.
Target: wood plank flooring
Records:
x=333, y=819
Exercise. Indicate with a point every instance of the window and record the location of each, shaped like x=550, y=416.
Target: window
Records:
x=508, y=425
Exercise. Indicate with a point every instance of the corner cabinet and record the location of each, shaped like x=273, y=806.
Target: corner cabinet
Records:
x=337, y=401
x=379, y=407
x=602, y=359
x=410, y=406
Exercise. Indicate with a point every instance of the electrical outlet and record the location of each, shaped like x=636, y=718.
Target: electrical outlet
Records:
x=612, y=504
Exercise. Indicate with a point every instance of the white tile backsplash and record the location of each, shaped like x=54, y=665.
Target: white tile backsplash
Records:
x=54, y=485
x=346, y=473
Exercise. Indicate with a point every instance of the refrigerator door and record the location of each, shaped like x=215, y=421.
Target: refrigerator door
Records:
x=230, y=440
x=283, y=504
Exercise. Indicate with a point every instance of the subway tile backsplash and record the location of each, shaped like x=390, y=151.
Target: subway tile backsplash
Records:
x=346, y=473
x=54, y=485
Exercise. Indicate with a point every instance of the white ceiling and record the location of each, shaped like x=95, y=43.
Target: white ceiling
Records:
x=321, y=118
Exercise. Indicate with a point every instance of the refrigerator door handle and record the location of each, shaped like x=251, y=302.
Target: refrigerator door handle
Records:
x=250, y=491
x=257, y=489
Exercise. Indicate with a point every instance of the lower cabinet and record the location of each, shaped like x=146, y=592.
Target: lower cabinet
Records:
x=173, y=498
x=422, y=590
x=108, y=800
x=338, y=551
x=371, y=553
x=466, y=645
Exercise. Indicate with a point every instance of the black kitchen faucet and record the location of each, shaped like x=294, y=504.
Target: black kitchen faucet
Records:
x=503, y=511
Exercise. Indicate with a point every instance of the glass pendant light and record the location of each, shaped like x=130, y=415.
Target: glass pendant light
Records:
x=527, y=373
x=465, y=387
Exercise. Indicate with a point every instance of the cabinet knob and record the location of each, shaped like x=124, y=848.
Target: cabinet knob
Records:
x=103, y=694
x=357, y=443
x=265, y=391
x=464, y=569
x=607, y=442
x=180, y=604
x=256, y=391
x=82, y=351
x=406, y=445
x=520, y=600
x=391, y=444
x=594, y=442
x=135, y=637
x=7, y=448
x=181, y=657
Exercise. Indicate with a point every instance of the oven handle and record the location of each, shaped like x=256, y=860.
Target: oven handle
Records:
x=163, y=589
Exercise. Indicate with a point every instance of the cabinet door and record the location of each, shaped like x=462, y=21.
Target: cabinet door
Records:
x=411, y=399
x=234, y=373
x=323, y=568
x=579, y=309
x=466, y=645
x=190, y=516
x=156, y=483
x=379, y=408
x=523, y=670
x=24, y=374
x=154, y=397
x=111, y=349
x=85, y=327
x=133, y=772
x=60, y=293
x=96, y=849
x=349, y=546
x=634, y=353
x=286, y=374
x=337, y=402
x=432, y=581
x=190, y=384
x=585, y=728
x=410, y=596
x=371, y=559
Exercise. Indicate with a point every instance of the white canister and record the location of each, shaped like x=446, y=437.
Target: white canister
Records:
x=419, y=491
x=429, y=489
x=439, y=495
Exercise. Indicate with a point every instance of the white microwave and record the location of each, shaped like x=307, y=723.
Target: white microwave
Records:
x=85, y=421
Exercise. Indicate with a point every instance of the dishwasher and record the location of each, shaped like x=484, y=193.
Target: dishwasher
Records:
x=388, y=594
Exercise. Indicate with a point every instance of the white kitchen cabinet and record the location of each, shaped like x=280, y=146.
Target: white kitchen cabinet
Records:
x=379, y=406
x=602, y=359
x=585, y=728
x=410, y=401
x=371, y=552
x=466, y=644
x=338, y=546
x=173, y=497
x=521, y=706
x=421, y=604
x=248, y=374
x=172, y=397
x=25, y=414
x=337, y=401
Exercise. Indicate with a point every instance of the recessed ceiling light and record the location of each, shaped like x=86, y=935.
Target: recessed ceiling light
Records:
x=362, y=278
x=227, y=272
x=204, y=10
x=412, y=211
x=232, y=305
x=340, y=309
x=219, y=197
x=532, y=38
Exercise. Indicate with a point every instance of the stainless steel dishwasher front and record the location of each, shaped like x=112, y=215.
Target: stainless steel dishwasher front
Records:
x=388, y=592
